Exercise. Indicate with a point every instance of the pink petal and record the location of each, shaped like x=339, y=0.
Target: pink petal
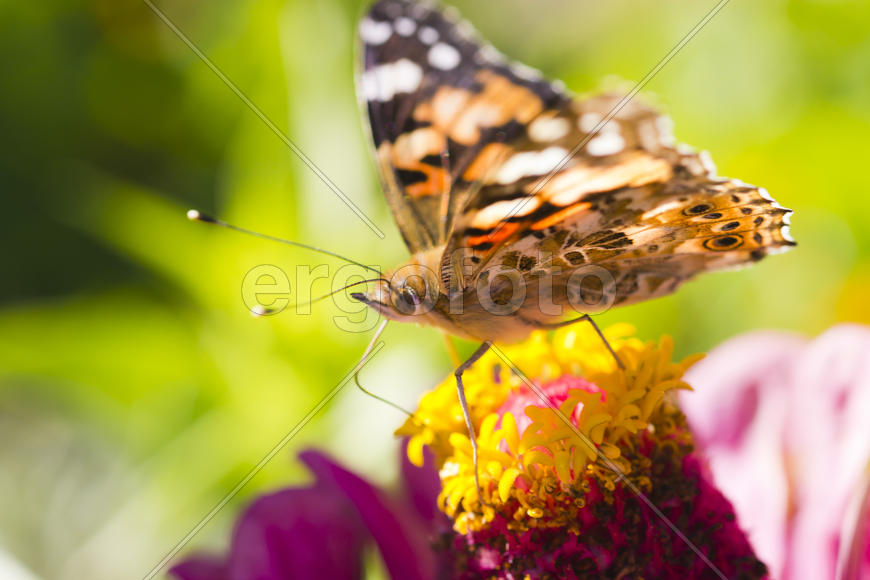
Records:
x=738, y=412
x=829, y=441
x=787, y=430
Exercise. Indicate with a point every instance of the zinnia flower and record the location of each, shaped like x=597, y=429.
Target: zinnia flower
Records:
x=786, y=425
x=589, y=469
x=608, y=486
x=321, y=531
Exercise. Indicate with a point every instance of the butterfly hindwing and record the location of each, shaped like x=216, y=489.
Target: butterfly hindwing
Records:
x=563, y=160
x=624, y=197
x=642, y=243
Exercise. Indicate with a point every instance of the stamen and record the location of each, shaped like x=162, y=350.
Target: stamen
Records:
x=532, y=465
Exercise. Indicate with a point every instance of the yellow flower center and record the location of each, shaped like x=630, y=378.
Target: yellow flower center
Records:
x=536, y=465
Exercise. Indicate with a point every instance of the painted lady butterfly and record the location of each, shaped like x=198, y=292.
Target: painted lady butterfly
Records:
x=475, y=155
x=518, y=203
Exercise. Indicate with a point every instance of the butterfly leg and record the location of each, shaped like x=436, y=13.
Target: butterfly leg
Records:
x=481, y=350
x=587, y=318
x=365, y=355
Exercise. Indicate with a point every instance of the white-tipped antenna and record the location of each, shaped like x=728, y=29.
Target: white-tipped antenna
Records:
x=197, y=216
x=259, y=310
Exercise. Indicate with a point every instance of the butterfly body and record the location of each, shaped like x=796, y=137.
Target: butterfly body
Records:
x=414, y=294
x=521, y=203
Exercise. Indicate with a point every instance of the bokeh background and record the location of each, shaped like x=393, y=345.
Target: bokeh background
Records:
x=135, y=387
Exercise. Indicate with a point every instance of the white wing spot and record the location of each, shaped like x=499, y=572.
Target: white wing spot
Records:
x=465, y=30
x=686, y=149
x=405, y=26
x=383, y=82
x=605, y=143
x=547, y=129
x=707, y=162
x=428, y=35
x=530, y=163
x=786, y=233
x=498, y=211
x=588, y=121
x=665, y=126
x=665, y=207
x=648, y=135
x=489, y=53
x=526, y=72
x=444, y=57
x=451, y=14
x=420, y=9
x=373, y=32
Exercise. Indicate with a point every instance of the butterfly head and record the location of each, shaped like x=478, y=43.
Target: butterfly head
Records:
x=409, y=293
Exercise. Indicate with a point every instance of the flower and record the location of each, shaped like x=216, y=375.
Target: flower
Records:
x=564, y=494
x=784, y=422
x=320, y=531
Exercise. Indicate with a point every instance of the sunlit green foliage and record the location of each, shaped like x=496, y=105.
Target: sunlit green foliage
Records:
x=136, y=389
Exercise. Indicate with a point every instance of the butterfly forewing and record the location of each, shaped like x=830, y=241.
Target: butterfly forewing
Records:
x=436, y=98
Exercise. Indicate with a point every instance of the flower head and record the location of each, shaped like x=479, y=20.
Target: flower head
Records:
x=783, y=422
x=534, y=461
x=565, y=457
x=588, y=470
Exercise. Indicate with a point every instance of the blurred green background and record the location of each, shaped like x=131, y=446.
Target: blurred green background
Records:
x=135, y=387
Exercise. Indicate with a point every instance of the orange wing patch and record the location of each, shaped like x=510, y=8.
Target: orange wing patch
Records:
x=492, y=238
x=489, y=158
x=633, y=170
x=461, y=114
x=409, y=155
x=561, y=215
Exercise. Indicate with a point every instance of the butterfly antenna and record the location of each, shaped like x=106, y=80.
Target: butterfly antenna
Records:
x=197, y=216
x=371, y=346
x=334, y=292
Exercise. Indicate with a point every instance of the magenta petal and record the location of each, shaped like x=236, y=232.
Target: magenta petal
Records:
x=200, y=568
x=422, y=485
x=403, y=547
x=297, y=533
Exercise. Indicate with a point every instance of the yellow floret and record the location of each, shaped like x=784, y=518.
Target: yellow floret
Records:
x=540, y=475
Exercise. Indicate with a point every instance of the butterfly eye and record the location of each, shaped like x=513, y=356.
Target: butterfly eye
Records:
x=409, y=295
x=408, y=300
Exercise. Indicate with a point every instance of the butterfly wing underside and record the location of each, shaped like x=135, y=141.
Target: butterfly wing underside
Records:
x=436, y=97
x=630, y=200
x=510, y=171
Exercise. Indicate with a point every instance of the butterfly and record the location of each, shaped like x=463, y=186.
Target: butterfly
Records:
x=511, y=225
x=521, y=203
